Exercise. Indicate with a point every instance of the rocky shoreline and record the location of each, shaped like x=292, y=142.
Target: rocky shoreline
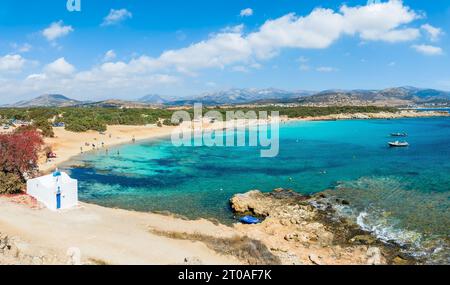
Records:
x=379, y=115
x=296, y=230
x=303, y=229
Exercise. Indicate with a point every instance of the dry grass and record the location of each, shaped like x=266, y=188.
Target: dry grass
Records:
x=97, y=261
x=245, y=249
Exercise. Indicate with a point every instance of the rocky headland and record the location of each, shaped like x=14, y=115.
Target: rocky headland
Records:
x=302, y=229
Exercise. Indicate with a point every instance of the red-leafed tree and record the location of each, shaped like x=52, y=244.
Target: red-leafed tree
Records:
x=19, y=154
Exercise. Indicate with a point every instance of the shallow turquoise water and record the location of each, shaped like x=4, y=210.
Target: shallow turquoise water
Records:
x=407, y=188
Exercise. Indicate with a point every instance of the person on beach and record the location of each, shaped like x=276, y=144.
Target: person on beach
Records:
x=81, y=149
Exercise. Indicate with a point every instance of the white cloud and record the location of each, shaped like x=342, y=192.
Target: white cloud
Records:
x=60, y=67
x=233, y=29
x=109, y=55
x=428, y=49
x=56, y=30
x=37, y=76
x=240, y=68
x=218, y=51
x=317, y=30
x=246, y=12
x=433, y=32
x=230, y=47
x=11, y=63
x=116, y=16
x=21, y=48
x=380, y=21
x=326, y=69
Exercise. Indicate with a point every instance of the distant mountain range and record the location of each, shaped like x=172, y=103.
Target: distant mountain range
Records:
x=400, y=96
x=48, y=100
x=243, y=96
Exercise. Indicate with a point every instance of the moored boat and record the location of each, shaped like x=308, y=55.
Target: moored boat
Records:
x=398, y=144
x=249, y=220
x=399, y=135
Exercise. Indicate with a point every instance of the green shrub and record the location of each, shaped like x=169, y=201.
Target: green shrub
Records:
x=45, y=126
x=10, y=183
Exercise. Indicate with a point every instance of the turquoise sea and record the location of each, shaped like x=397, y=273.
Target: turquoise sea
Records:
x=399, y=194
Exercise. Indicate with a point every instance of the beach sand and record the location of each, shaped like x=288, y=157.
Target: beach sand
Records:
x=68, y=144
x=105, y=235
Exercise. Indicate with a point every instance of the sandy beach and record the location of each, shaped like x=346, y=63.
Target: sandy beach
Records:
x=68, y=144
x=103, y=235
x=293, y=233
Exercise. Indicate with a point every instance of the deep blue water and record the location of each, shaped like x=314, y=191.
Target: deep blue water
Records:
x=403, y=191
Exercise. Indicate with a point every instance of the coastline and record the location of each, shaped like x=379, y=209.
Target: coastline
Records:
x=97, y=230
x=67, y=144
x=292, y=232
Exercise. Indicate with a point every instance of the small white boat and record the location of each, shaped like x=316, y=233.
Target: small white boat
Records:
x=399, y=135
x=398, y=144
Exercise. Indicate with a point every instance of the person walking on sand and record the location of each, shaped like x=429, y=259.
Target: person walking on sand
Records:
x=81, y=149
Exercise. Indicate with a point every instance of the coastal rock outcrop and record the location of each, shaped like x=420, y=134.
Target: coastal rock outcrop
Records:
x=15, y=252
x=301, y=229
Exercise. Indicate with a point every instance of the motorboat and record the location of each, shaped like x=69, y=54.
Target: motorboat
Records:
x=398, y=144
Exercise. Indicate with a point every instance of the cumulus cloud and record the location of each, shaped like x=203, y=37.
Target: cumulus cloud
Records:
x=428, y=49
x=317, y=30
x=21, y=48
x=60, y=67
x=433, y=33
x=109, y=55
x=380, y=21
x=246, y=12
x=116, y=16
x=56, y=30
x=231, y=47
x=11, y=63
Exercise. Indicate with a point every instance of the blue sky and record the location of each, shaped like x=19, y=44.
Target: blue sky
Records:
x=130, y=48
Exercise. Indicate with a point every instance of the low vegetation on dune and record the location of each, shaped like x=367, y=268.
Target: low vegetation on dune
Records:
x=81, y=119
x=245, y=249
